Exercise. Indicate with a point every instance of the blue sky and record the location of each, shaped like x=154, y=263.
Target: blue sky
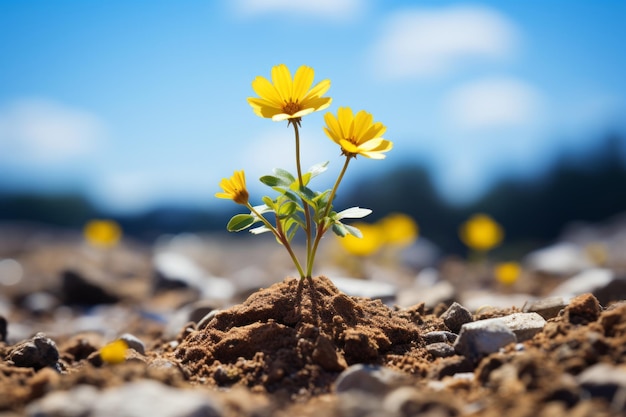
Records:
x=141, y=102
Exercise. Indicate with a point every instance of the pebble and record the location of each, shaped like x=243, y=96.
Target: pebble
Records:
x=133, y=342
x=174, y=270
x=456, y=316
x=561, y=259
x=605, y=380
x=524, y=325
x=85, y=288
x=588, y=281
x=480, y=338
x=366, y=288
x=433, y=295
x=3, y=329
x=439, y=336
x=37, y=353
x=372, y=379
x=440, y=350
x=135, y=399
x=547, y=307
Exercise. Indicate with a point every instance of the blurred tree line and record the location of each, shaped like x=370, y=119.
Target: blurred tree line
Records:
x=533, y=212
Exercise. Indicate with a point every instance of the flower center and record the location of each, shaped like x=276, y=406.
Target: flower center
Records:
x=291, y=107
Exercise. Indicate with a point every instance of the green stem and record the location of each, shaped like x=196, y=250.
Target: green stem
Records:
x=322, y=226
x=307, y=211
x=278, y=233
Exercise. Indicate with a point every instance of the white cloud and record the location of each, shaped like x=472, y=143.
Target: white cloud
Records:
x=43, y=131
x=493, y=103
x=422, y=43
x=325, y=9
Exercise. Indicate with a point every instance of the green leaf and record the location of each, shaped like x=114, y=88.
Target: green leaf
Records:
x=353, y=231
x=269, y=204
x=240, y=222
x=284, y=175
x=317, y=169
x=270, y=180
x=339, y=229
x=287, y=209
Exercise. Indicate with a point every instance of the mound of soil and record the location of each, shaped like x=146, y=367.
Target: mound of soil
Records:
x=297, y=336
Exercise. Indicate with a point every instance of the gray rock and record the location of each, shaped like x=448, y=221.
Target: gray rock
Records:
x=432, y=295
x=37, y=353
x=606, y=381
x=478, y=300
x=410, y=401
x=73, y=403
x=439, y=337
x=136, y=399
x=456, y=316
x=371, y=379
x=547, y=307
x=588, y=281
x=480, y=338
x=134, y=343
x=150, y=398
x=86, y=288
x=524, y=325
x=440, y=350
x=174, y=270
x=366, y=288
x=560, y=259
x=3, y=329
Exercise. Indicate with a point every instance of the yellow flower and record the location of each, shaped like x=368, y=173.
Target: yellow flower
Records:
x=286, y=98
x=481, y=232
x=114, y=352
x=103, y=233
x=400, y=230
x=372, y=240
x=357, y=135
x=234, y=188
x=508, y=272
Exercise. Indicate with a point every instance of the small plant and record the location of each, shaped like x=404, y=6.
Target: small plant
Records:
x=297, y=206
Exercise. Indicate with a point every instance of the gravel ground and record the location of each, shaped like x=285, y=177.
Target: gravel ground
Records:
x=216, y=327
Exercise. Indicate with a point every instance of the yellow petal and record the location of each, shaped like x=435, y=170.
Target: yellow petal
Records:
x=362, y=122
x=263, y=107
x=302, y=82
x=281, y=77
x=348, y=146
x=345, y=117
x=376, y=130
x=318, y=90
x=317, y=103
x=334, y=130
x=266, y=90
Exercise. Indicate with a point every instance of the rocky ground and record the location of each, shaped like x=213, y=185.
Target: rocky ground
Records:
x=215, y=326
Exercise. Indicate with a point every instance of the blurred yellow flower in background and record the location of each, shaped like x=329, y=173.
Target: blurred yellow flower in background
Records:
x=481, y=233
x=357, y=135
x=399, y=229
x=234, y=188
x=396, y=229
x=114, y=352
x=507, y=273
x=102, y=233
x=372, y=240
x=286, y=98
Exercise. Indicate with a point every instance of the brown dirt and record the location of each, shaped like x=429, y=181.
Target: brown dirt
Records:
x=282, y=349
x=295, y=339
